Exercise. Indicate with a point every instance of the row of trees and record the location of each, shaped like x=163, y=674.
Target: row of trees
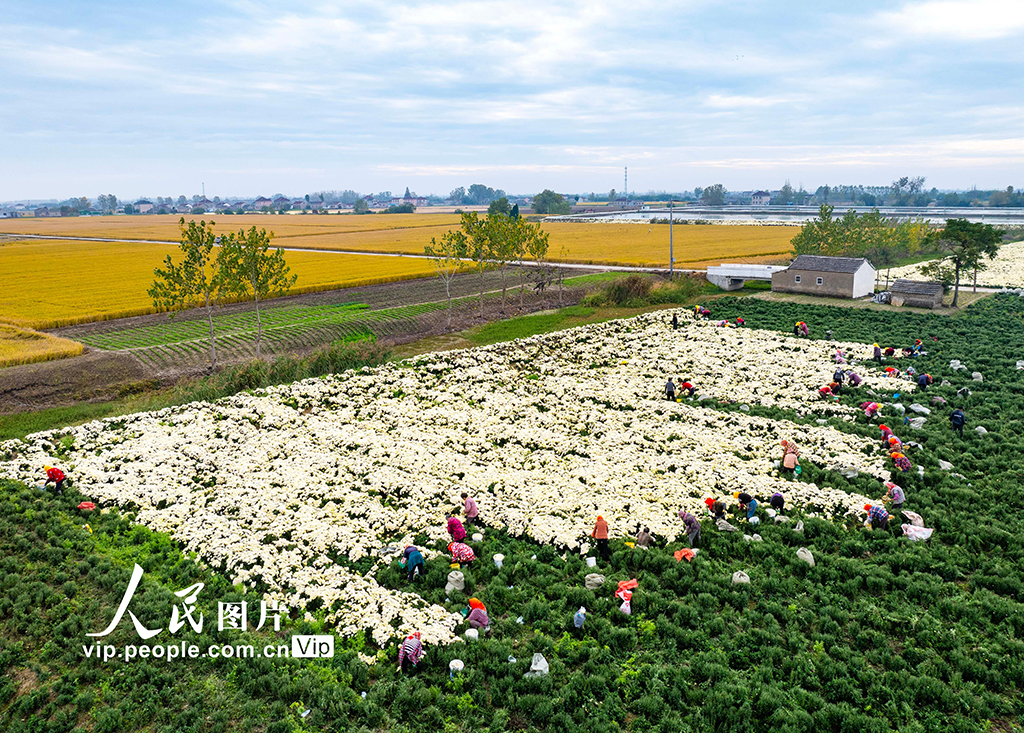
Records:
x=495, y=241
x=882, y=240
x=243, y=267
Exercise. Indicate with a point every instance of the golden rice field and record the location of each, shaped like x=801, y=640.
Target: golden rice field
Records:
x=23, y=346
x=609, y=244
x=51, y=283
x=165, y=227
x=602, y=244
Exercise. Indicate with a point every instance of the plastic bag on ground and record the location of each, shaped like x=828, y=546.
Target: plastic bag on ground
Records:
x=685, y=552
x=625, y=590
x=456, y=581
x=579, y=618
x=916, y=520
x=724, y=526
x=799, y=526
x=626, y=608
x=593, y=581
x=740, y=577
x=917, y=533
x=780, y=519
x=804, y=554
x=538, y=667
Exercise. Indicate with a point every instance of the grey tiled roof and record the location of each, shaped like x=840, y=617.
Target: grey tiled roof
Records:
x=818, y=263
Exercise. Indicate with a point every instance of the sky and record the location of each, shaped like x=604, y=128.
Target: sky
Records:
x=252, y=98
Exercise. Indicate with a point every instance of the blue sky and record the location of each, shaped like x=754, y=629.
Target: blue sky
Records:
x=254, y=98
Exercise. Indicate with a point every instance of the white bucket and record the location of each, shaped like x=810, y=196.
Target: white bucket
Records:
x=498, y=560
x=456, y=665
x=591, y=562
x=477, y=537
x=472, y=635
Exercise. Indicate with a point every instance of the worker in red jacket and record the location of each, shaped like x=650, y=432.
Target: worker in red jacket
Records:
x=57, y=477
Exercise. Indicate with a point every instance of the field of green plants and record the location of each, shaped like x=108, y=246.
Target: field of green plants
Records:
x=882, y=634
x=285, y=329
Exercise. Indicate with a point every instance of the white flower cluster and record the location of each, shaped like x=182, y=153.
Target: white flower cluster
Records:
x=287, y=486
x=1006, y=270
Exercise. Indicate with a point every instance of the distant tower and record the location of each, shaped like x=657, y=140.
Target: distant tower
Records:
x=625, y=181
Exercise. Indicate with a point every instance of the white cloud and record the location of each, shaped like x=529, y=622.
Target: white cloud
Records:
x=961, y=20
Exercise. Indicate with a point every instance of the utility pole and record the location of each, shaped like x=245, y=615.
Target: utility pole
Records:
x=204, y=190
x=671, y=257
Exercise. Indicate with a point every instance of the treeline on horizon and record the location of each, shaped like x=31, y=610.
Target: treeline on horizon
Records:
x=905, y=191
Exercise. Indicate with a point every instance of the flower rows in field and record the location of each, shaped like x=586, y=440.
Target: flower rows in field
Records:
x=1006, y=270
x=285, y=487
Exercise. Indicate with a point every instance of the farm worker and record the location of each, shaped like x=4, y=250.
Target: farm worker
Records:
x=645, y=538
x=579, y=618
x=877, y=518
x=461, y=552
x=57, y=477
x=886, y=432
x=600, y=534
x=718, y=509
x=870, y=408
x=836, y=387
x=917, y=347
x=675, y=321
x=790, y=456
x=796, y=329
x=777, y=502
x=895, y=443
x=692, y=525
x=670, y=391
x=958, y=419
x=804, y=330
x=839, y=376
x=455, y=529
x=410, y=652
x=748, y=503
x=414, y=562
x=877, y=354
x=924, y=380
x=825, y=392
x=470, y=508
x=853, y=378
x=907, y=351
x=710, y=504
x=839, y=357
x=477, y=616
x=889, y=351
x=686, y=386
x=739, y=321
x=895, y=493
x=900, y=461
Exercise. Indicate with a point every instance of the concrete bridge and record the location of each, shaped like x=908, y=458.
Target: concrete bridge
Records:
x=732, y=277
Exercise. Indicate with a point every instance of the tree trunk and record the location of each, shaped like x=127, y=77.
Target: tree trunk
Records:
x=975, y=279
x=504, y=287
x=448, y=291
x=259, y=324
x=559, y=287
x=213, y=340
x=481, y=288
x=956, y=287
x=522, y=286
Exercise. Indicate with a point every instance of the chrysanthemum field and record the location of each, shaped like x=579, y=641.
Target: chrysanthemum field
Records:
x=302, y=493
